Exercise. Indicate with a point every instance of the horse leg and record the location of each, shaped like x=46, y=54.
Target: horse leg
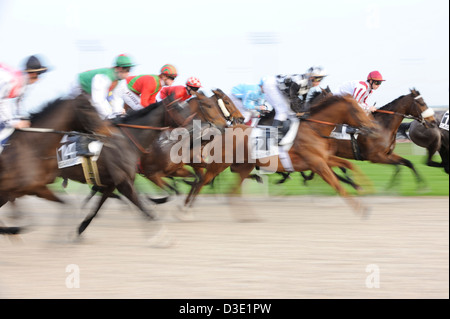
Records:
x=161, y=237
x=87, y=220
x=396, y=159
x=432, y=149
x=89, y=197
x=8, y=230
x=344, y=165
x=324, y=170
x=211, y=173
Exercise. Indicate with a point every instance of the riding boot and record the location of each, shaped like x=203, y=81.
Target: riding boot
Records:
x=82, y=147
x=282, y=127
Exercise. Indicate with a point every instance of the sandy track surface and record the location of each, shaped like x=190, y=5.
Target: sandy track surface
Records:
x=300, y=247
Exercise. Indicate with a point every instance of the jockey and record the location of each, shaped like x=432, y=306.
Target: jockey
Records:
x=13, y=84
x=316, y=75
x=98, y=84
x=362, y=90
x=141, y=90
x=281, y=91
x=181, y=92
x=249, y=99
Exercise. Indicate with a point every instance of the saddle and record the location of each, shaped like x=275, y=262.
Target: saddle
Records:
x=68, y=155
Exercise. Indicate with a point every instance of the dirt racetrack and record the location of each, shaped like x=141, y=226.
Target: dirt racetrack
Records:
x=301, y=247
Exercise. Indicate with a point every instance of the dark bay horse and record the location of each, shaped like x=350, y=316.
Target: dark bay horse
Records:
x=28, y=164
x=434, y=139
x=117, y=163
x=380, y=148
x=310, y=150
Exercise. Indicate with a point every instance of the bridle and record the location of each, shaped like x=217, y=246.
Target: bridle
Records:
x=427, y=113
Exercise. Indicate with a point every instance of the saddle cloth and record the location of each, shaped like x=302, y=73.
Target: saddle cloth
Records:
x=444, y=121
x=340, y=133
x=264, y=143
x=66, y=154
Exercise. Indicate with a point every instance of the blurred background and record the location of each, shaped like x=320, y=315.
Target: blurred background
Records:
x=225, y=43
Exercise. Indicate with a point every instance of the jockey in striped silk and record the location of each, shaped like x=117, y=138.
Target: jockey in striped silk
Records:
x=361, y=90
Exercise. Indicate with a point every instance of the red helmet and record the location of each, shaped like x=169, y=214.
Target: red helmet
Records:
x=194, y=82
x=375, y=75
x=169, y=70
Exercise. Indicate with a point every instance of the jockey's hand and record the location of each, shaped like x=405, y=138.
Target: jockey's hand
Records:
x=372, y=109
x=22, y=124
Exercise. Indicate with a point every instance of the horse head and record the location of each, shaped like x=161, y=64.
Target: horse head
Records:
x=207, y=110
x=227, y=107
x=420, y=109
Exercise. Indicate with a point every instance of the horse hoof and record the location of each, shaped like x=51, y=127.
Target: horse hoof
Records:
x=365, y=212
x=162, y=239
x=184, y=214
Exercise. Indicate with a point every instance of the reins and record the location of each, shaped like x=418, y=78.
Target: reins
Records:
x=49, y=130
x=123, y=126
x=143, y=127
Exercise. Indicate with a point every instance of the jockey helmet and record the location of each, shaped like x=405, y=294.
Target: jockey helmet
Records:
x=375, y=75
x=193, y=82
x=123, y=61
x=169, y=70
x=316, y=72
x=33, y=65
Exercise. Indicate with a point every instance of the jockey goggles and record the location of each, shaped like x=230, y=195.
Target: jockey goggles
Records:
x=377, y=82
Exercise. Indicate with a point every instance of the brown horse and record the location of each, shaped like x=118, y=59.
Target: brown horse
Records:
x=28, y=164
x=231, y=112
x=310, y=150
x=380, y=148
x=156, y=163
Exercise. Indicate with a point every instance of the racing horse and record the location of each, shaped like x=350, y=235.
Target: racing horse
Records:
x=157, y=163
x=227, y=107
x=434, y=139
x=380, y=148
x=310, y=149
x=117, y=161
x=28, y=163
x=155, y=159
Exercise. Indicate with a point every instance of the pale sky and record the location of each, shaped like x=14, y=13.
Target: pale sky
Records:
x=225, y=43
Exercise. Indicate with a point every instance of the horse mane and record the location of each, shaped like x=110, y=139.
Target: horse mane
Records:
x=329, y=101
x=46, y=110
x=132, y=115
x=389, y=106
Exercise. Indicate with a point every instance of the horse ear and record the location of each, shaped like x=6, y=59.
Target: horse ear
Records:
x=200, y=95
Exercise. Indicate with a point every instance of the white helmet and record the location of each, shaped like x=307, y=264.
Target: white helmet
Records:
x=316, y=71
